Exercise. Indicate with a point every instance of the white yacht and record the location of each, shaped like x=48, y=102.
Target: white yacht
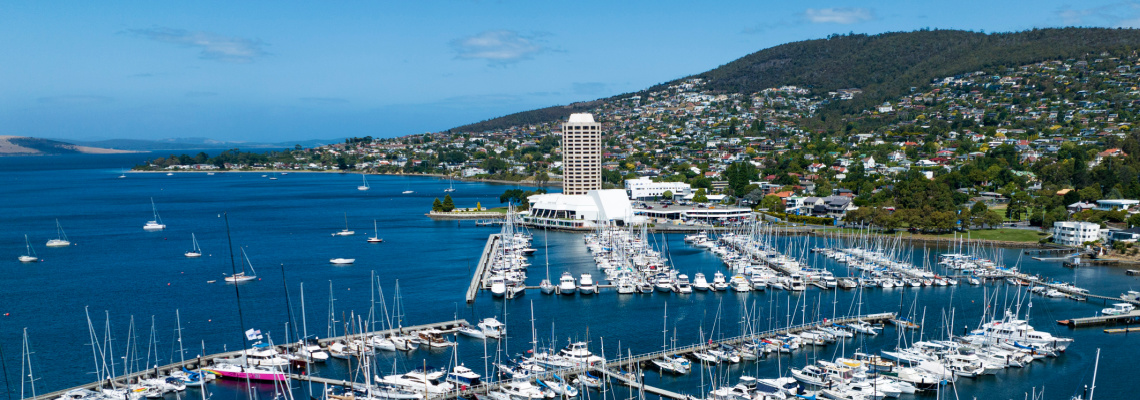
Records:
x=578, y=354
x=365, y=185
x=342, y=261
x=156, y=224
x=498, y=286
x=427, y=382
x=61, y=238
x=586, y=285
x=31, y=256
x=682, y=284
x=463, y=376
x=719, y=283
x=1012, y=329
x=195, y=251
x=492, y=328
x=1118, y=309
x=566, y=284
x=699, y=282
x=345, y=231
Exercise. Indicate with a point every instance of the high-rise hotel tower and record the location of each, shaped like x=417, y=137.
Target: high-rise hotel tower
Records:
x=581, y=155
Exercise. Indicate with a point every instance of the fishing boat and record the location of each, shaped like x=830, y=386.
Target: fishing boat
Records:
x=376, y=234
x=195, y=251
x=61, y=237
x=243, y=276
x=365, y=185
x=342, y=261
x=155, y=224
x=345, y=231
x=31, y=256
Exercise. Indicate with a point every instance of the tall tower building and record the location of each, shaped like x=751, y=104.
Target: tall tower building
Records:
x=581, y=154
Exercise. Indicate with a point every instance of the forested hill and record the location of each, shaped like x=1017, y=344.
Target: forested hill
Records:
x=884, y=66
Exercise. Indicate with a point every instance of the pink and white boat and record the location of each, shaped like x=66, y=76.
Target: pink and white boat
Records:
x=256, y=373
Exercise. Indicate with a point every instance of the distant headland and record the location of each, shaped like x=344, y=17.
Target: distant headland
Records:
x=29, y=146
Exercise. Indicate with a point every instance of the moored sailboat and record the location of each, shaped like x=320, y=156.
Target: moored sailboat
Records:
x=31, y=255
x=195, y=251
x=61, y=237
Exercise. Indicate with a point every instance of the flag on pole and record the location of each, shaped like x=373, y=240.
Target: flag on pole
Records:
x=253, y=334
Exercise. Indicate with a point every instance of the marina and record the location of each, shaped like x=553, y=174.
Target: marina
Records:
x=280, y=231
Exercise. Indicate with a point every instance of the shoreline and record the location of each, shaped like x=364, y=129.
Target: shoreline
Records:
x=440, y=176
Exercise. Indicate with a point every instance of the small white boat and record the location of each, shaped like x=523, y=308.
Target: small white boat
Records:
x=365, y=185
x=450, y=187
x=342, y=261
x=408, y=192
x=31, y=256
x=156, y=224
x=376, y=232
x=345, y=231
x=194, y=251
x=61, y=237
x=546, y=286
x=1118, y=309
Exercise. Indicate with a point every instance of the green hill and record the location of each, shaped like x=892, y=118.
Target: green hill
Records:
x=884, y=66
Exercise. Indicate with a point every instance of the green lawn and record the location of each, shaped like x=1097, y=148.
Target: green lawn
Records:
x=1006, y=234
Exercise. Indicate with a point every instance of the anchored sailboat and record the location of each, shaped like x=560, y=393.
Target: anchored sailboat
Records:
x=155, y=224
x=242, y=276
x=195, y=251
x=365, y=185
x=31, y=256
x=376, y=232
x=61, y=238
x=345, y=231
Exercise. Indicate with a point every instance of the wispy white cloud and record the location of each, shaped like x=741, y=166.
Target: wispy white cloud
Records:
x=211, y=46
x=838, y=15
x=499, y=46
x=1115, y=15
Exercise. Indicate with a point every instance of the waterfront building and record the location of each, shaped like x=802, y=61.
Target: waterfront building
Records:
x=581, y=155
x=587, y=211
x=1075, y=233
x=646, y=189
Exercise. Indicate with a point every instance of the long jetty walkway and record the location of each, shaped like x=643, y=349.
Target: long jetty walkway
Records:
x=480, y=270
x=447, y=326
x=643, y=359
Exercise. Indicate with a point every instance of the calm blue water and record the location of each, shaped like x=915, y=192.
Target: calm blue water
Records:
x=117, y=269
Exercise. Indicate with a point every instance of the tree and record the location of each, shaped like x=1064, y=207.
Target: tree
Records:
x=754, y=196
x=448, y=204
x=992, y=219
x=700, y=196
x=772, y=203
x=437, y=206
x=542, y=178
x=668, y=194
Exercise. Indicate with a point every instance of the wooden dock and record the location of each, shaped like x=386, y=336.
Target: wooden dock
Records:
x=1121, y=330
x=1133, y=316
x=642, y=386
x=447, y=326
x=484, y=261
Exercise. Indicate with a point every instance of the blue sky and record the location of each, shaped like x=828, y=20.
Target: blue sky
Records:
x=282, y=71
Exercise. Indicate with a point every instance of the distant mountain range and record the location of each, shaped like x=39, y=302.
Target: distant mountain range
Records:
x=29, y=146
x=884, y=66
x=194, y=144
